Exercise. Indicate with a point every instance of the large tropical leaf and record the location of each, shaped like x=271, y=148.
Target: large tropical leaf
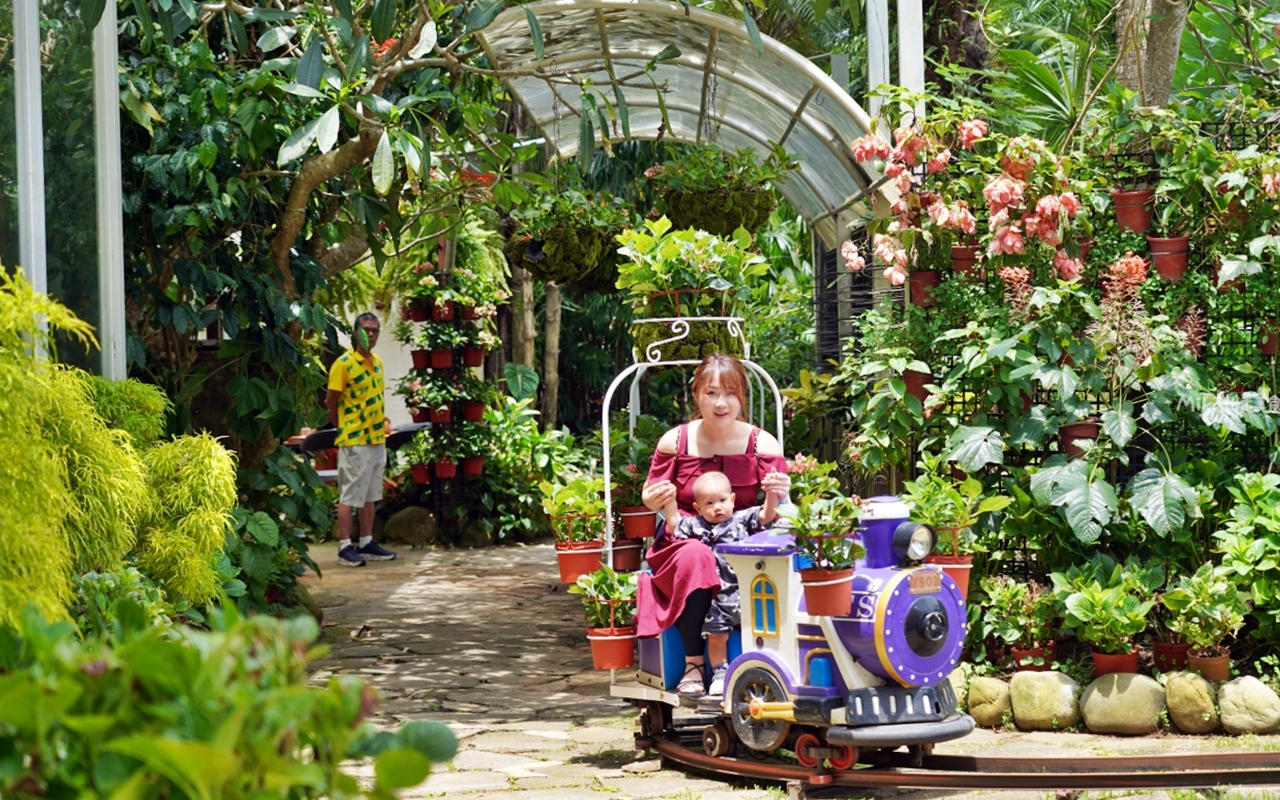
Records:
x=1164, y=501
x=973, y=447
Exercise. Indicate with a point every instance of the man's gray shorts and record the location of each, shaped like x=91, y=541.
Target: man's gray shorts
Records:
x=360, y=471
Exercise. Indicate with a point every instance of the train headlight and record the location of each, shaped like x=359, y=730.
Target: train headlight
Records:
x=913, y=541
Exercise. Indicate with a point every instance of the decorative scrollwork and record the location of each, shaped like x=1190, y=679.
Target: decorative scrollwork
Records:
x=731, y=333
x=653, y=353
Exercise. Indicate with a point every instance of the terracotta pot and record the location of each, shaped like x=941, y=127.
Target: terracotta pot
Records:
x=1024, y=658
x=469, y=312
x=327, y=459
x=964, y=258
x=638, y=522
x=1105, y=663
x=915, y=382
x=1069, y=433
x=922, y=285
x=421, y=358
x=1169, y=256
x=1211, y=668
x=404, y=312
x=1086, y=247
x=578, y=558
x=1168, y=657
x=472, y=356
x=827, y=592
x=441, y=359
x=421, y=473
x=442, y=312
x=420, y=415
x=473, y=465
x=419, y=311
x=445, y=468
x=626, y=555
x=440, y=416
x=612, y=648
x=958, y=568
x=473, y=411
x=1133, y=209
x=1269, y=338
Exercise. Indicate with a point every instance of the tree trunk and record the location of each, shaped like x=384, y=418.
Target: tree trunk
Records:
x=953, y=32
x=551, y=359
x=524, y=326
x=1131, y=37
x=1164, y=42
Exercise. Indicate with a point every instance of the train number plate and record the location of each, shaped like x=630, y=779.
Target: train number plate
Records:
x=924, y=581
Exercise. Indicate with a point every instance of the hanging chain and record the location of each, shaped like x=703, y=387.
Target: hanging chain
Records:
x=711, y=123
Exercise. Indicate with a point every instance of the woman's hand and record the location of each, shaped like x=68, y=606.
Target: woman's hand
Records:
x=658, y=494
x=779, y=483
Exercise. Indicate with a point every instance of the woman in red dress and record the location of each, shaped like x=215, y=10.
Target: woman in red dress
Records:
x=684, y=575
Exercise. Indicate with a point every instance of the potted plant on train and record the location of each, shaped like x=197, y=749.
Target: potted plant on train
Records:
x=672, y=275
x=567, y=232
x=609, y=602
x=951, y=507
x=823, y=522
x=718, y=191
x=576, y=508
x=1020, y=614
x=1207, y=609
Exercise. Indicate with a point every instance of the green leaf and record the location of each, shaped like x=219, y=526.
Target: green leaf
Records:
x=269, y=15
x=400, y=768
x=301, y=90
x=586, y=142
x=384, y=17
x=535, y=33
x=91, y=13
x=311, y=65
x=384, y=165
x=1119, y=425
x=298, y=144
x=1164, y=501
x=198, y=769
x=753, y=31
x=263, y=528
x=975, y=447
x=276, y=38
x=344, y=9
x=482, y=13
x=358, y=60
x=522, y=380
x=432, y=739
x=1225, y=410
x=327, y=130
x=237, y=32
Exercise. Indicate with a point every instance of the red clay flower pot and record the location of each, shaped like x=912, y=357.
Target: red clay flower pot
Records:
x=420, y=415
x=1169, y=256
x=922, y=285
x=958, y=568
x=1105, y=663
x=1133, y=209
x=1269, y=341
x=578, y=558
x=638, y=522
x=327, y=459
x=473, y=466
x=827, y=592
x=1211, y=668
x=421, y=473
x=442, y=312
x=441, y=416
x=473, y=411
x=469, y=312
x=1024, y=658
x=1069, y=433
x=964, y=258
x=915, y=382
x=472, y=356
x=421, y=358
x=626, y=554
x=612, y=648
x=441, y=359
x=419, y=311
x=1168, y=657
x=445, y=468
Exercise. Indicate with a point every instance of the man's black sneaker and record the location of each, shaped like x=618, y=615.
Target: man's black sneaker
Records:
x=349, y=557
x=375, y=552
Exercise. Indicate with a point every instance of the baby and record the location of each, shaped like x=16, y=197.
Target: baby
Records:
x=715, y=523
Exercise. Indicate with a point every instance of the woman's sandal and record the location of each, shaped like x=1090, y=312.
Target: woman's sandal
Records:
x=693, y=683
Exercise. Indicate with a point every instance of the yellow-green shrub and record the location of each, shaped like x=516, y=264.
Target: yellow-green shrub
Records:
x=134, y=407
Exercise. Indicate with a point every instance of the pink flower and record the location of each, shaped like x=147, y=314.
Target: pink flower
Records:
x=895, y=275
x=903, y=182
x=1018, y=168
x=890, y=251
x=1044, y=228
x=971, y=131
x=1049, y=206
x=852, y=259
x=1003, y=191
x=1068, y=268
x=894, y=168
x=1271, y=184
x=1070, y=203
x=939, y=162
x=868, y=147
x=957, y=217
x=1008, y=240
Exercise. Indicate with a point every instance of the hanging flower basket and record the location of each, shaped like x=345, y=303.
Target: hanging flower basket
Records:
x=421, y=358
x=445, y=468
x=473, y=466
x=922, y=285
x=1068, y=434
x=626, y=554
x=688, y=338
x=612, y=648
x=718, y=211
x=441, y=359
x=827, y=592
x=421, y=473
x=964, y=258
x=1269, y=339
x=442, y=311
x=472, y=356
x=564, y=255
x=473, y=411
x=916, y=381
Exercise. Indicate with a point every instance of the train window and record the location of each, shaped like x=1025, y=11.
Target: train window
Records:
x=764, y=607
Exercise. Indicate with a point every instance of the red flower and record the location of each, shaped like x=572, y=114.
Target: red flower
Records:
x=471, y=177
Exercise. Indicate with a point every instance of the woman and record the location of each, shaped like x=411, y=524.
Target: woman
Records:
x=685, y=578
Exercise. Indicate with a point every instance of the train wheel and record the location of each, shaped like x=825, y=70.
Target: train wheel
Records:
x=655, y=718
x=757, y=685
x=804, y=744
x=717, y=739
x=842, y=756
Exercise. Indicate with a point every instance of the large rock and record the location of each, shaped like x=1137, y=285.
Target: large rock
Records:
x=960, y=685
x=1044, y=701
x=412, y=525
x=989, y=702
x=474, y=535
x=1191, y=703
x=1249, y=706
x=1123, y=703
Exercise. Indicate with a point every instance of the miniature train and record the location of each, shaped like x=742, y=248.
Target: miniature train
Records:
x=826, y=687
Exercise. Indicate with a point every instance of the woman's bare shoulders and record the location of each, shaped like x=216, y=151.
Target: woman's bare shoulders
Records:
x=767, y=444
x=669, y=442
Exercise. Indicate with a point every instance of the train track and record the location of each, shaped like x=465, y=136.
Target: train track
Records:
x=922, y=770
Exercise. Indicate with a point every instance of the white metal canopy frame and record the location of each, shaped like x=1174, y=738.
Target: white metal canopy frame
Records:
x=720, y=90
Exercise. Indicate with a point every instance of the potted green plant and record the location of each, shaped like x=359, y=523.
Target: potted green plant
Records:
x=566, y=235
x=1108, y=617
x=824, y=526
x=476, y=394
x=439, y=339
x=1021, y=614
x=717, y=190
x=419, y=452
x=672, y=275
x=1206, y=609
x=476, y=339
x=952, y=508
x=1185, y=195
x=470, y=442
x=629, y=454
x=577, y=510
x=609, y=601
x=432, y=392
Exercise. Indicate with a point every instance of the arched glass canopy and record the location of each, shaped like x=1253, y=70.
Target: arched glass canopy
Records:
x=718, y=90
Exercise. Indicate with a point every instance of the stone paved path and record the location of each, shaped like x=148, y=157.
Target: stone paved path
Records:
x=488, y=642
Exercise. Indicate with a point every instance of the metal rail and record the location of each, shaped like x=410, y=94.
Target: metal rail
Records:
x=1176, y=771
